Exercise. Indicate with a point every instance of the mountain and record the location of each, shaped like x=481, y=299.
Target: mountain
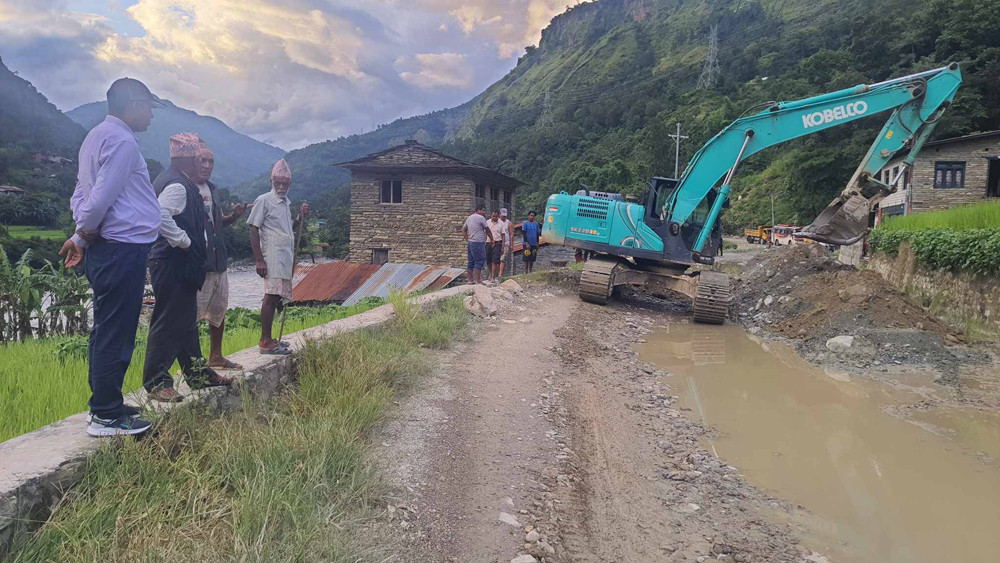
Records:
x=313, y=170
x=594, y=104
x=27, y=117
x=237, y=157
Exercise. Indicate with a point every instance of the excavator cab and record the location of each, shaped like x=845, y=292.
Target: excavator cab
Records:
x=660, y=190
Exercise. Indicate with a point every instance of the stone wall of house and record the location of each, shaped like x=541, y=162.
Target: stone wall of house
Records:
x=426, y=228
x=926, y=198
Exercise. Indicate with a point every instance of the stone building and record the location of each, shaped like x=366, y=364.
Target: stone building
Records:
x=409, y=202
x=948, y=172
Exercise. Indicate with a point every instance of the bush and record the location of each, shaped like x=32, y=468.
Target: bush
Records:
x=973, y=251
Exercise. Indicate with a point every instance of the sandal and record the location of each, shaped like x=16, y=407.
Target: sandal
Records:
x=228, y=365
x=276, y=350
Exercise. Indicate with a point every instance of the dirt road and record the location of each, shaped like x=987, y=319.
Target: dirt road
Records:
x=545, y=436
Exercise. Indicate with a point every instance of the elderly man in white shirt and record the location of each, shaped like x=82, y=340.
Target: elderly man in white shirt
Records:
x=177, y=270
x=272, y=239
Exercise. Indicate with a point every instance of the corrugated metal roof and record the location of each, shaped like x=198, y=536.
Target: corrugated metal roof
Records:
x=425, y=278
x=333, y=281
x=388, y=275
x=446, y=278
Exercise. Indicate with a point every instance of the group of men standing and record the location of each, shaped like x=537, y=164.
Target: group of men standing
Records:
x=173, y=224
x=489, y=242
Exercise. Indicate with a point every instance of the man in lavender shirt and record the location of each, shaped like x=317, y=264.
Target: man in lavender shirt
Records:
x=117, y=219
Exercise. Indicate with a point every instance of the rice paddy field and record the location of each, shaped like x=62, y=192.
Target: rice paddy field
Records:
x=963, y=218
x=27, y=232
x=42, y=381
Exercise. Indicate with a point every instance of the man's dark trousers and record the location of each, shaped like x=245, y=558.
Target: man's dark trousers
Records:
x=117, y=274
x=173, y=330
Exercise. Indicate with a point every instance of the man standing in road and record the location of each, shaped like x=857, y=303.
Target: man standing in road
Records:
x=272, y=239
x=213, y=299
x=508, y=239
x=475, y=232
x=494, y=250
x=177, y=272
x=530, y=229
x=117, y=219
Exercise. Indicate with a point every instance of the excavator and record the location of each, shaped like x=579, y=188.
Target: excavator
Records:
x=655, y=245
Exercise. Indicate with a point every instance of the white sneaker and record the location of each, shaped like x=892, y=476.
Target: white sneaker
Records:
x=122, y=426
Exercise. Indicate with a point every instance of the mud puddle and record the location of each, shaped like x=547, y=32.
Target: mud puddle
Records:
x=874, y=487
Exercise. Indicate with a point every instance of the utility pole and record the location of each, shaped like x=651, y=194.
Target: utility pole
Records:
x=772, y=209
x=677, y=137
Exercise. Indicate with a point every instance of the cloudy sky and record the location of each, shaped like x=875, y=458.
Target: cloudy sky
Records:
x=290, y=72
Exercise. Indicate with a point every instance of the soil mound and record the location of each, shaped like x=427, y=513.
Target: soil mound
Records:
x=803, y=293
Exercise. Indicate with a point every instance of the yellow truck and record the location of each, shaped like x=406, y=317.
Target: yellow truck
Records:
x=759, y=235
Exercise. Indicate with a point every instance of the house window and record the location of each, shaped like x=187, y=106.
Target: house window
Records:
x=481, y=191
x=380, y=256
x=392, y=191
x=494, y=194
x=949, y=175
x=508, y=197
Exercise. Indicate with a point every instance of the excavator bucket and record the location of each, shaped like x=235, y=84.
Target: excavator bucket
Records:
x=843, y=222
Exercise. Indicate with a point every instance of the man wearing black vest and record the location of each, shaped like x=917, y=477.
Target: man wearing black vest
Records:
x=177, y=265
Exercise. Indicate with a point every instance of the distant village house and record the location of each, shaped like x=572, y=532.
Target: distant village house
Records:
x=11, y=190
x=409, y=202
x=947, y=173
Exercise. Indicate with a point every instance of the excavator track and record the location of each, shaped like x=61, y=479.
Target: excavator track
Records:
x=711, y=303
x=597, y=279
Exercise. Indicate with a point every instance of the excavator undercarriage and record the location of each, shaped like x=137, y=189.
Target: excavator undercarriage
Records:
x=708, y=291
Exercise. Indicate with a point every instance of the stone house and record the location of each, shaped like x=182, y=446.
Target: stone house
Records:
x=946, y=173
x=409, y=202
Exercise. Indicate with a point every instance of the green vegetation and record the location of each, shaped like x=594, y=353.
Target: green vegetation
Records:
x=46, y=379
x=961, y=239
x=286, y=480
x=974, y=251
x=28, y=232
x=40, y=302
x=978, y=216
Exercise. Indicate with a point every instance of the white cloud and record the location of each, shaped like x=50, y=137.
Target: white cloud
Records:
x=437, y=70
x=285, y=71
x=512, y=25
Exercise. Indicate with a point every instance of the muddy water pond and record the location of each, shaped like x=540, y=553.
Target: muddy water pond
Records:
x=873, y=487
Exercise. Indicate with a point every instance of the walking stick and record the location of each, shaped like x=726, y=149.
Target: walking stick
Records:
x=295, y=260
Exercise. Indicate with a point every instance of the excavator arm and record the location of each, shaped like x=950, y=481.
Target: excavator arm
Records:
x=916, y=101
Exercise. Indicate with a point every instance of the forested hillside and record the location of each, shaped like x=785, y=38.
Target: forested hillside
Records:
x=28, y=118
x=595, y=102
x=32, y=131
x=237, y=156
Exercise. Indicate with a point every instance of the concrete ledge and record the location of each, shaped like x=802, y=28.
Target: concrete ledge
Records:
x=38, y=468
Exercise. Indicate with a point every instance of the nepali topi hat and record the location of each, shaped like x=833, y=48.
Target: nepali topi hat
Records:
x=185, y=145
x=281, y=171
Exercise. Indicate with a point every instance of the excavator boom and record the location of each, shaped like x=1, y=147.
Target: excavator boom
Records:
x=916, y=102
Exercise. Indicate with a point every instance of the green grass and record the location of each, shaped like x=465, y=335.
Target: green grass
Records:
x=285, y=480
x=27, y=232
x=966, y=217
x=38, y=387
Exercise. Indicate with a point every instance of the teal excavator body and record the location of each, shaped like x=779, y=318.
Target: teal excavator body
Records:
x=679, y=223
